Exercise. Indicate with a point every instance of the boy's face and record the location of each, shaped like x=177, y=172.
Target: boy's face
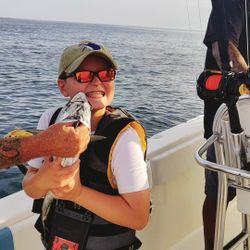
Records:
x=99, y=94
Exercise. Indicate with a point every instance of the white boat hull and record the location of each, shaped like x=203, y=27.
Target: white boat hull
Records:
x=177, y=196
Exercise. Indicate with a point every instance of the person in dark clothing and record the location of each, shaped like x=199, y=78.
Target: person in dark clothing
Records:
x=237, y=52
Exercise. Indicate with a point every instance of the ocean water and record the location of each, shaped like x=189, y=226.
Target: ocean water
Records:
x=155, y=81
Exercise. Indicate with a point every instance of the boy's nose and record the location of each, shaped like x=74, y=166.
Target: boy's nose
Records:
x=95, y=80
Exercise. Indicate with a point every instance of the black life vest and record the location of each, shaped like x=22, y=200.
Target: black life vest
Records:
x=95, y=172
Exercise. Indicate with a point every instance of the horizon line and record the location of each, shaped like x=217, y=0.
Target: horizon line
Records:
x=108, y=24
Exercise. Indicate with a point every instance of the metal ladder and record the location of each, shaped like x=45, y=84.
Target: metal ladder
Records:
x=229, y=148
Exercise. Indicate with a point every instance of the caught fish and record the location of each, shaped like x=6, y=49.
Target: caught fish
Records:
x=77, y=110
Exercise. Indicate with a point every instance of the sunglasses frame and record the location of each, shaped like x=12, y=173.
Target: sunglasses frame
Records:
x=94, y=74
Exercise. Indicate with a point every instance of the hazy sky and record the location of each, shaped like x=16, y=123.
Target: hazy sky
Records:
x=182, y=14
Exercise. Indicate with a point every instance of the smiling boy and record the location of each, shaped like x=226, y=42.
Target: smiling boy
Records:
x=110, y=181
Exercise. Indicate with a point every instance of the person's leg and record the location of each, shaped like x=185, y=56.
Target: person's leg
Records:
x=209, y=219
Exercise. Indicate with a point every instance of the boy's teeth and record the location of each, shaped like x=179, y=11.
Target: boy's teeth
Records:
x=93, y=94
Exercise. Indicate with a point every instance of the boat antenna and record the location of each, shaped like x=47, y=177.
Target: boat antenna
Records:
x=199, y=11
x=189, y=23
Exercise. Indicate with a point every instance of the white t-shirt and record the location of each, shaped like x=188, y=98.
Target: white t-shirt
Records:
x=128, y=165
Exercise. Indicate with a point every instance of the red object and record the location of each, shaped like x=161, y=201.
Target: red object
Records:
x=213, y=82
x=62, y=244
x=88, y=76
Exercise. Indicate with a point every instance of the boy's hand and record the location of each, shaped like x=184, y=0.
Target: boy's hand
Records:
x=72, y=188
x=52, y=175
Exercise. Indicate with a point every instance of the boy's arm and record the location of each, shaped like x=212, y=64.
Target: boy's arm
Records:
x=130, y=210
x=59, y=140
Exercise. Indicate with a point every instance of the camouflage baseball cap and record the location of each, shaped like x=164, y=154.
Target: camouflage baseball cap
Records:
x=74, y=55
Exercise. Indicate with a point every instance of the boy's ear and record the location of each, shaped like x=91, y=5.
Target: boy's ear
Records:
x=61, y=85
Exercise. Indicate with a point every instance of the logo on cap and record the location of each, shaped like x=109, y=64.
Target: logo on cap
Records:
x=89, y=45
